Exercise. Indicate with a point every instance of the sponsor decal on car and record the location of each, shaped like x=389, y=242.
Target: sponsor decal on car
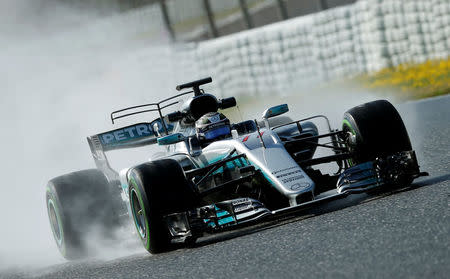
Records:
x=291, y=179
x=126, y=134
x=242, y=207
x=283, y=170
x=289, y=173
x=299, y=186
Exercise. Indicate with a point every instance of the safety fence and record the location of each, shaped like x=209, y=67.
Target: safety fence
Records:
x=189, y=19
x=358, y=38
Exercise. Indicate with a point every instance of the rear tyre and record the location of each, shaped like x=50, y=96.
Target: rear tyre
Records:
x=156, y=189
x=77, y=203
x=374, y=129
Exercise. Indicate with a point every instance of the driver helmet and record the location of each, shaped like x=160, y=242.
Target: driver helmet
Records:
x=212, y=126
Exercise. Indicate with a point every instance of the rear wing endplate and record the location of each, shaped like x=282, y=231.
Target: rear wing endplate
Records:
x=132, y=136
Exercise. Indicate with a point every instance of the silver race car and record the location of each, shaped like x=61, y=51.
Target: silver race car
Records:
x=216, y=175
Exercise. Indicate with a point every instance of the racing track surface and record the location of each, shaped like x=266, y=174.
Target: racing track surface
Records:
x=405, y=234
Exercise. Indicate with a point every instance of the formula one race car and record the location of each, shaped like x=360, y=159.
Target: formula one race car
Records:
x=216, y=175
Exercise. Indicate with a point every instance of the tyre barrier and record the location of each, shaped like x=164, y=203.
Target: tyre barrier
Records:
x=341, y=42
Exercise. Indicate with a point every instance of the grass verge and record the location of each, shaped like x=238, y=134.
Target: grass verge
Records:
x=412, y=81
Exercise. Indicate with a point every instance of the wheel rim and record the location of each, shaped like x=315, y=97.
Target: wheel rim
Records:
x=54, y=221
x=138, y=214
x=351, y=139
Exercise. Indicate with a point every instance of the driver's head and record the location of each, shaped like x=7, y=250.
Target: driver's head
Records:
x=212, y=126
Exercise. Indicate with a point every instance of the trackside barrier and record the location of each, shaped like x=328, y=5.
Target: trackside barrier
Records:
x=358, y=38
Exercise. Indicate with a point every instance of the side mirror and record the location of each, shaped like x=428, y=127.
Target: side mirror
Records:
x=171, y=139
x=275, y=111
x=227, y=103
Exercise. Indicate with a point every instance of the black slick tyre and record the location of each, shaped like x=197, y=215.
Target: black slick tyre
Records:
x=156, y=189
x=374, y=129
x=76, y=203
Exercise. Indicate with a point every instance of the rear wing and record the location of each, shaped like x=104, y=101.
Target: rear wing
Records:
x=127, y=137
x=132, y=136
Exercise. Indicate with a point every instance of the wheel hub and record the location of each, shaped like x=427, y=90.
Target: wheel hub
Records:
x=138, y=214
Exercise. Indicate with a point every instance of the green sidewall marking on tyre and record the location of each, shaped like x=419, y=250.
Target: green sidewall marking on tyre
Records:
x=347, y=123
x=61, y=244
x=138, y=220
x=138, y=194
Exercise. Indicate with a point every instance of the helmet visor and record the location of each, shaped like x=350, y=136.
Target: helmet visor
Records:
x=217, y=132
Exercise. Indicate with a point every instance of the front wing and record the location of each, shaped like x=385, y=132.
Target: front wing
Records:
x=395, y=170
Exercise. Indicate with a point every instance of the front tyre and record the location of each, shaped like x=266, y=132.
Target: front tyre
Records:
x=374, y=129
x=156, y=189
